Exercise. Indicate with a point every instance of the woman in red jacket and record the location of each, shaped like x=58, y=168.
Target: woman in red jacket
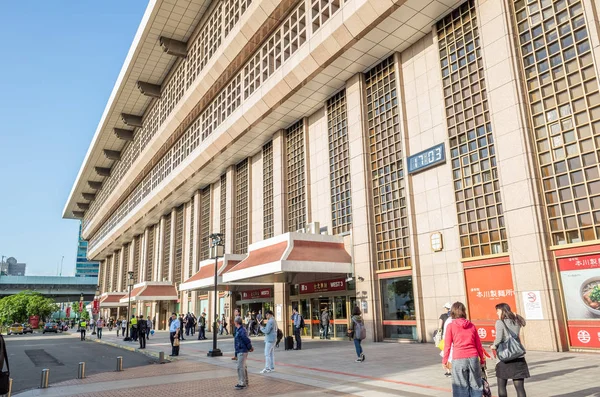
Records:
x=467, y=354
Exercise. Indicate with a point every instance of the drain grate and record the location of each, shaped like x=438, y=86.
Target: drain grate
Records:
x=41, y=358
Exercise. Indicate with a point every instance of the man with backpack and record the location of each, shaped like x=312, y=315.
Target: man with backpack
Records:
x=142, y=328
x=298, y=321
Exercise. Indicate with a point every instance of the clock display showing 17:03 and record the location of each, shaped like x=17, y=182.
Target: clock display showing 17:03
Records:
x=427, y=158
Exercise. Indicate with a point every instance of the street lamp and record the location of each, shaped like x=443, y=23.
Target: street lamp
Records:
x=129, y=285
x=94, y=307
x=217, y=250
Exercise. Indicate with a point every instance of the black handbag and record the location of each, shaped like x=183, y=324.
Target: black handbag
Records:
x=511, y=348
x=4, y=375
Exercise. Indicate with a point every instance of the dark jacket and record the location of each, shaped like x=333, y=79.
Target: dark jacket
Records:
x=242, y=342
x=202, y=321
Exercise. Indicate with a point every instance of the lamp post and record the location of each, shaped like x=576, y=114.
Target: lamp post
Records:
x=217, y=247
x=129, y=285
x=94, y=308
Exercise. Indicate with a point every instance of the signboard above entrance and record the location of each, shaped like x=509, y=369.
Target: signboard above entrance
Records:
x=323, y=286
x=257, y=294
x=426, y=159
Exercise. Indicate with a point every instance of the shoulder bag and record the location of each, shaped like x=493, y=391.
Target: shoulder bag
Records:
x=511, y=348
x=4, y=375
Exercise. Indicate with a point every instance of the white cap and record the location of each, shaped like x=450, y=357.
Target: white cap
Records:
x=448, y=305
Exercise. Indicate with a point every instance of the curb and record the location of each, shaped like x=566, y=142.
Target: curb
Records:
x=149, y=353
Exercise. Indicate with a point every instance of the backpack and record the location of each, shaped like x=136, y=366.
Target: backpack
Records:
x=301, y=322
x=142, y=325
x=279, y=335
x=360, y=332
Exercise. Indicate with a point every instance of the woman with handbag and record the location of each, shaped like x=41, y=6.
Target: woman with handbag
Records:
x=507, y=346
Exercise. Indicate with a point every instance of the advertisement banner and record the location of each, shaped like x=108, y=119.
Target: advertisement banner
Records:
x=323, y=286
x=96, y=306
x=257, y=294
x=68, y=311
x=34, y=321
x=486, y=287
x=80, y=306
x=580, y=276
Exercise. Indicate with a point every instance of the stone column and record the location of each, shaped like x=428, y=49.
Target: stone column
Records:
x=279, y=185
x=532, y=267
x=157, y=251
x=255, y=187
x=230, y=211
x=122, y=254
x=172, y=244
x=144, y=255
x=112, y=287
x=161, y=247
x=363, y=232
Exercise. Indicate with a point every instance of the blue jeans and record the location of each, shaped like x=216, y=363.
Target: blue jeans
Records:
x=270, y=355
x=358, y=347
x=466, y=377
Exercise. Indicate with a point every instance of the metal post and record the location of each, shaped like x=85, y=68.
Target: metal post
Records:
x=45, y=377
x=81, y=371
x=215, y=352
x=119, y=364
x=161, y=357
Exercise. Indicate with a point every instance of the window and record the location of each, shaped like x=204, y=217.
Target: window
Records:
x=398, y=308
x=296, y=182
x=223, y=209
x=268, y=228
x=204, y=222
x=241, y=208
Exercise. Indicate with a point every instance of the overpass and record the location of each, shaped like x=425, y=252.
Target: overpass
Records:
x=62, y=289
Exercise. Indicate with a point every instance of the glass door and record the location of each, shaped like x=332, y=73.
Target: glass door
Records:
x=305, y=312
x=290, y=322
x=340, y=319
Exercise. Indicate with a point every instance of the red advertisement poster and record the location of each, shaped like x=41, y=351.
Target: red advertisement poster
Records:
x=323, y=286
x=96, y=307
x=34, y=321
x=80, y=306
x=68, y=313
x=580, y=276
x=257, y=294
x=486, y=287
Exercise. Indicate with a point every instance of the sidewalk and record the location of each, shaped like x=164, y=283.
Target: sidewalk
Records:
x=322, y=368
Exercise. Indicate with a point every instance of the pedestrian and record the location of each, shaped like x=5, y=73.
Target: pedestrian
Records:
x=270, y=332
x=188, y=324
x=359, y=332
x=509, y=324
x=181, y=326
x=118, y=326
x=92, y=325
x=224, y=325
x=99, y=326
x=194, y=322
x=174, y=331
x=82, y=328
x=444, y=329
x=134, y=328
x=259, y=318
x=468, y=357
x=243, y=346
x=248, y=321
x=123, y=326
x=298, y=324
x=111, y=324
x=142, y=327
x=442, y=324
x=325, y=323
x=149, y=326
x=236, y=313
x=202, y=328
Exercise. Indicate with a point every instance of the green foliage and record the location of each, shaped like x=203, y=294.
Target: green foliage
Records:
x=83, y=314
x=17, y=308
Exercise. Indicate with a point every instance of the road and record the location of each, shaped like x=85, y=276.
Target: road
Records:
x=29, y=354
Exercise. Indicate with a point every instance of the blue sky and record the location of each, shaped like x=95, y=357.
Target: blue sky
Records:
x=59, y=62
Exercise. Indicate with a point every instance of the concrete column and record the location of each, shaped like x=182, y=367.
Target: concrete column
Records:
x=250, y=205
x=131, y=255
x=215, y=208
x=161, y=247
x=279, y=185
x=532, y=267
x=112, y=287
x=196, y=235
x=255, y=187
x=144, y=255
x=122, y=254
x=157, y=251
x=307, y=172
x=187, y=223
x=363, y=229
x=281, y=296
x=172, y=245
x=101, y=272
x=230, y=211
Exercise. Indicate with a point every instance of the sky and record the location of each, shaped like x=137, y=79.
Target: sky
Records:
x=58, y=64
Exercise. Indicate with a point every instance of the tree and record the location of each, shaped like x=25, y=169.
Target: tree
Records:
x=17, y=308
x=80, y=314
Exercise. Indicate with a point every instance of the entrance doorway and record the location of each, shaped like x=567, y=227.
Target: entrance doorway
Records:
x=339, y=309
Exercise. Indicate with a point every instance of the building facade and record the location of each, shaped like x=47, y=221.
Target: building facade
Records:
x=83, y=266
x=11, y=267
x=391, y=155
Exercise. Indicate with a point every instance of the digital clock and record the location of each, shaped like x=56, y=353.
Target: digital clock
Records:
x=427, y=158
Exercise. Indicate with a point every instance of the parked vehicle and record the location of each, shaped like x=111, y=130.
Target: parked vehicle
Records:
x=27, y=329
x=15, y=329
x=50, y=327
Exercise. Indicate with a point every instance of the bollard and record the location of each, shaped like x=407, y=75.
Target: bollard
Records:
x=161, y=357
x=119, y=364
x=81, y=371
x=45, y=376
x=9, y=388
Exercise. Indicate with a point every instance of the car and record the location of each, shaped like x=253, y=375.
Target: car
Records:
x=50, y=327
x=16, y=328
x=27, y=329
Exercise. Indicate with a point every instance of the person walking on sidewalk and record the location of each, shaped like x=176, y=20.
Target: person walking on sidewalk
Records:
x=181, y=326
x=202, y=328
x=149, y=326
x=142, y=328
x=270, y=332
x=194, y=322
x=223, y=325
x=123, y=326
x=298, y=325
x=467, y=356
x=443, y=322
x=174, y=331
x=243, y=346
x=82, y=328
x=359, y=332
x=509, y=323
x=99, y=326
x=325, y=323
x=236, y=314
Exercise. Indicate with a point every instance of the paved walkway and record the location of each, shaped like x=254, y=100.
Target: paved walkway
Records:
x=321, y=368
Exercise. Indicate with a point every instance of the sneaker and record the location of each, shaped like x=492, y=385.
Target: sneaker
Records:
x=265, y=371
x=362, y=357
x=240, y=387
x=358, y=360
x=234, y=358
x=448, y=374
x=272, y=370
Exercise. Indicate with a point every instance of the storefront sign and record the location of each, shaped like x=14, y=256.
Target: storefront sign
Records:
x=532, y=301
x=580, y=278
x=257, y=294
x=486, y=287
x=278, y=312
x=323, y=286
